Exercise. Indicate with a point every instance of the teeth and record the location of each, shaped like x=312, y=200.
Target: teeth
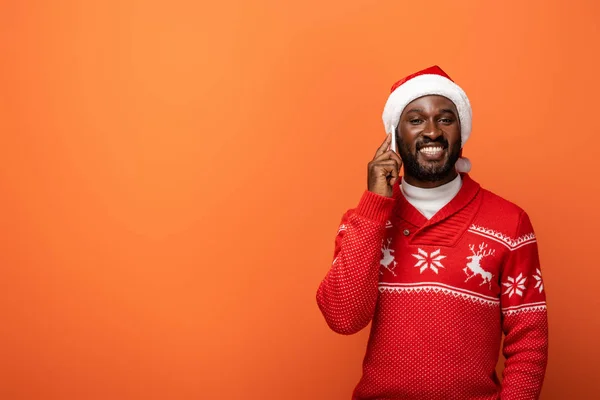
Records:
x=431, y=149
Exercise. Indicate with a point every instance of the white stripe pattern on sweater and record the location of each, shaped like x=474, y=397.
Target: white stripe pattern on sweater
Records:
x=510, y=243
x=523, y=308
x=437, y=287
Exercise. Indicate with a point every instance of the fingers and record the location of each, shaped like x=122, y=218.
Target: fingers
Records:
x=395, y=156
x=395, y=175
x=386, y=168
x=389, y=166
x=384, y=146
x=382, y=175
x=389, y=155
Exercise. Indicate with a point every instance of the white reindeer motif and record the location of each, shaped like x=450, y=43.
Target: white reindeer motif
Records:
x=387, y=258
x=475, y=267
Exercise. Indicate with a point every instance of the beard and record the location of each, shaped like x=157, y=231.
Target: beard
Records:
x=428, y=171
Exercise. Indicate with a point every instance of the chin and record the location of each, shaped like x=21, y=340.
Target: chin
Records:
x=434, y=165
x=435, y=170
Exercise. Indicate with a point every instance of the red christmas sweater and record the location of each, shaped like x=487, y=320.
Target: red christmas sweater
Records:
x=439, y=293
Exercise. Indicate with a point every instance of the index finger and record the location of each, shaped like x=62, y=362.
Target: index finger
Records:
x=384, y=146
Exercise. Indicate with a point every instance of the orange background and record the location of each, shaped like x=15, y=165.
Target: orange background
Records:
x=173, y=174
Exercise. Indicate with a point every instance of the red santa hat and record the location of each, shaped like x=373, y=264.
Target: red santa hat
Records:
x=430, y=81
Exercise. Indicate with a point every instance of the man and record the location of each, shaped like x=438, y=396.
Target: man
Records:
x=439, y=265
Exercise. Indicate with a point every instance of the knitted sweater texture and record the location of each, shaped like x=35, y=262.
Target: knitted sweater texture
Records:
x=439, y=294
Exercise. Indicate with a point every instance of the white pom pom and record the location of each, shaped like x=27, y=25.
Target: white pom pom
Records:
x=463, y=165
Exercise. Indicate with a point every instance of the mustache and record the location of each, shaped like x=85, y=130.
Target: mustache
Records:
x=426, y=141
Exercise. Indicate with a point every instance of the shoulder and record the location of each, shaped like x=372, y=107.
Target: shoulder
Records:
x=500, y=216
x=493, y=203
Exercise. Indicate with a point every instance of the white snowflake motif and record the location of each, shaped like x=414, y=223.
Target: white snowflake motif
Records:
x=431, y=261
x=515, y=285
x=539, y=284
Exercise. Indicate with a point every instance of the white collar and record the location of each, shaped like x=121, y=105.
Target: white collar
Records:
x=430, y=201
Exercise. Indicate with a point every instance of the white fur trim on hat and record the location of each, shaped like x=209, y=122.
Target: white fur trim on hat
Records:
x=423, y=85
x=463, y=164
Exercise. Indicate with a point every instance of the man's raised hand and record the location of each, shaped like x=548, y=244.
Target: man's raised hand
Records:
x=383, y=170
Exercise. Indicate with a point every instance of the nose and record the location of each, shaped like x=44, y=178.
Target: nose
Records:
x=432, y=130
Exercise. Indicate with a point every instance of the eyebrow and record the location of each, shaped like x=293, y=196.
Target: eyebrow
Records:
x=447, y=110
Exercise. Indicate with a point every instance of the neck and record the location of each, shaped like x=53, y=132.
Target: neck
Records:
x=411, y=180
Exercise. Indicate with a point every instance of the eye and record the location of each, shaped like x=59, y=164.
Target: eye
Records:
x=446, y=120
x=416, y=121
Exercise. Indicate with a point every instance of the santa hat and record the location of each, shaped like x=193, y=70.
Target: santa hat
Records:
x=430, y=81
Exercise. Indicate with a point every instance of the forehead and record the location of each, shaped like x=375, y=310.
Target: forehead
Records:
x=431, y=103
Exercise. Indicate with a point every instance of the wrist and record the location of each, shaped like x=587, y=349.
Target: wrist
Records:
x=375, y=207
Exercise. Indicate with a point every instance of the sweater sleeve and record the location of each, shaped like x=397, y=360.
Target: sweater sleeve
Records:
x=347, y=296
x=524, y=317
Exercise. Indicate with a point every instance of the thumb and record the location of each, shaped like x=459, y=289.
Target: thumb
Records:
x=395, y=177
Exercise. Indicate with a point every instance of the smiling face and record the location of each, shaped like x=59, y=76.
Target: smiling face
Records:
x=429, y=142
